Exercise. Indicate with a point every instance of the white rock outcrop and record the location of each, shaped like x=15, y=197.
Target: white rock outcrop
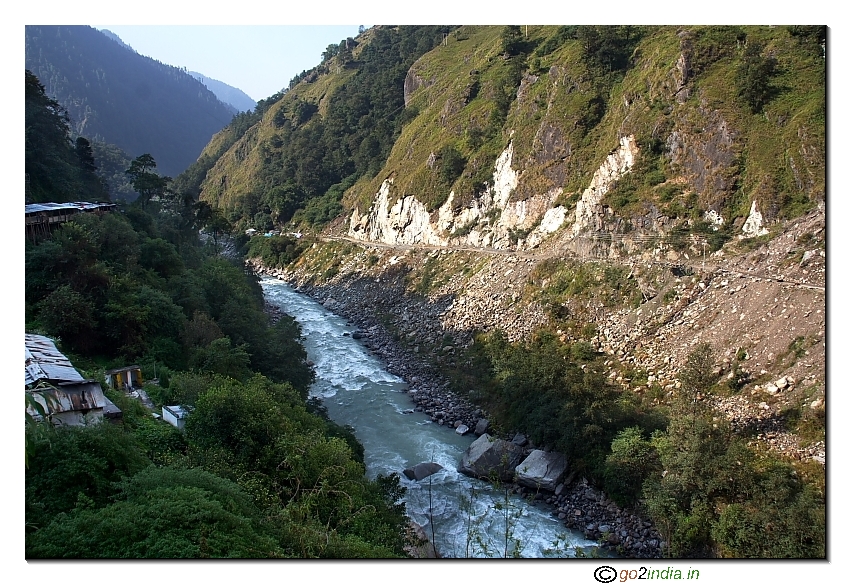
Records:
x=754, y=227
x=490, y=220
x=615, y=165
x=714, y=218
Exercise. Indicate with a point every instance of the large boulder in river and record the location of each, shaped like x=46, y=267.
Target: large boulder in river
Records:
x=488, y=456
x=541, y=470
x=423, y=470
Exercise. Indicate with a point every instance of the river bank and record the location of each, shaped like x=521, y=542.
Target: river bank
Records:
x=575, y=502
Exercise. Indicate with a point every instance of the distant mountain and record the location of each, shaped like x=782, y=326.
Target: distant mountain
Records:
x=227, y=94
x=117, y=96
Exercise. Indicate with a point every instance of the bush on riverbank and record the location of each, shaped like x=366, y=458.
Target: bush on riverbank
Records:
x=554, y=393
x=708, y=492
x=275, y=252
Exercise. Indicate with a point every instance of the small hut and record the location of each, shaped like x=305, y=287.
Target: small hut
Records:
x=127, y=378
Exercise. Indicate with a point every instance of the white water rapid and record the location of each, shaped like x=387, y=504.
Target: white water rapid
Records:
x=468, y=516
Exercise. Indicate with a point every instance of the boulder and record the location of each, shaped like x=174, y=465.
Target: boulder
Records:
x=481, y=427
x=489, y=456
x=462, y=429
x=423, y=470
x=542, y=470
x=520, y=440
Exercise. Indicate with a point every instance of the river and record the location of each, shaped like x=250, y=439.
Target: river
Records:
x=465, y=517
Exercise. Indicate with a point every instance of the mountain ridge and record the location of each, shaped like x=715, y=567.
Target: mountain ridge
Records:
x=115, y=95
x=227, y=94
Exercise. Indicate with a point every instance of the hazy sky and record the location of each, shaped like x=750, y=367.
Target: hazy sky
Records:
x=259, y=60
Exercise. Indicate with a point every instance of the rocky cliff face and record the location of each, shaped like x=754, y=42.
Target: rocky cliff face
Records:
x=492, y=219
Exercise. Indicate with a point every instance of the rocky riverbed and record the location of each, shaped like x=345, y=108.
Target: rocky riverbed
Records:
x=575, y=502
x=761, y=306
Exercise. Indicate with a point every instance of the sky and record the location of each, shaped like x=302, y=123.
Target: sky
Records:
x=251, y=54
x=258, y=59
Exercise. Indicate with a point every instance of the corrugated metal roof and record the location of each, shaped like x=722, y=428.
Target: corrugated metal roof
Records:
x=71, y=398
x=44, y=361
x=53, y=206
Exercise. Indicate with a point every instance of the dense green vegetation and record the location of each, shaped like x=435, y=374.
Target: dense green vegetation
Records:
x=716, y=496
x=259, y=472
x=256, y=474
x=278, y=251
x=313, y=156
x=118, y=96
x=554, y=393
x=709, y=493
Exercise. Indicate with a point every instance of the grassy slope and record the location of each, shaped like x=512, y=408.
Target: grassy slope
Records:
x=775, y=156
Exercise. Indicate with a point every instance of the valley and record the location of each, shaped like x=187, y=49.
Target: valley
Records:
x=605, y=244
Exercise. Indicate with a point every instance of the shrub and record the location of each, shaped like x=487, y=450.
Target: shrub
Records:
x=631, y=461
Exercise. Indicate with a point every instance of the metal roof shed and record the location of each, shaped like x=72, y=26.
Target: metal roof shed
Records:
x=63, y=394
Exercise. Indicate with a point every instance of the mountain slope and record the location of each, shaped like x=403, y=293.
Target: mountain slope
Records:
x=233, y=96
x=716, y=119
x=688, y=146
x=336, y=123
x=115, y=95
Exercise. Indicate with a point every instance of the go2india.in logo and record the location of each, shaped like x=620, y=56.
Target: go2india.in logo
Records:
x=606, y=574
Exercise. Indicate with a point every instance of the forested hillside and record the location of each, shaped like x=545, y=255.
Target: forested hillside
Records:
x=114, y=95
x=57, y=168
x=336, y=123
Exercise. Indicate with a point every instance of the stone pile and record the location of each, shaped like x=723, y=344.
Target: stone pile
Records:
x=586, y=509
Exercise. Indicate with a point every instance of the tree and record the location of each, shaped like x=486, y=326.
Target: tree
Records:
x=697, y=377
x=161, y=513
x=147, y=182
x=70, y=462
x=631, y=461
x=84, y=152
x=69, y=316
x=452, y=164
x=218, y=226
x=753, y=77
x=57, y=170
x=512, y=41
